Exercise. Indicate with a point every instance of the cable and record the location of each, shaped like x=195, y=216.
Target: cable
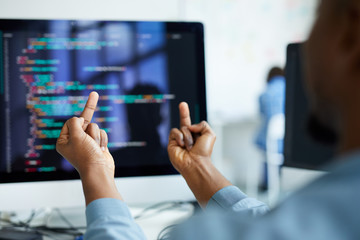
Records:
x=165, y=233
x=157, y=208
x=32, y=216
x=65, y=219
x=44, y=229
x=75, y=231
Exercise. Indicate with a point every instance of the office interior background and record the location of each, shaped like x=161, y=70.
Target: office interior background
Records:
x=244, y=39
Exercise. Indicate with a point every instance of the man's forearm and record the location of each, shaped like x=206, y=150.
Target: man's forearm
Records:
x=98, y=183
x=204, y=181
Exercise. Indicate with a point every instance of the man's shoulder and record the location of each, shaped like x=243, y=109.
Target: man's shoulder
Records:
x=338, y=185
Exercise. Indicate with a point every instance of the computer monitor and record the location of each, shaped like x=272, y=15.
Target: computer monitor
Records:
x=141, y=70
x=300, y=150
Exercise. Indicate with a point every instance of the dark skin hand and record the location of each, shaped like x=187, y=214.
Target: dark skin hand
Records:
x=190, y=149
x=84, y=145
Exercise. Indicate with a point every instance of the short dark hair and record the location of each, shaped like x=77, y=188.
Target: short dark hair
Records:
x=275, y=72
x=339, y=5
x=343, y=3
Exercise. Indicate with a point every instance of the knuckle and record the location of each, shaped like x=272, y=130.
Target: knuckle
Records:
x=173, y=130
x=72, y=120
x=103, y=136
x=93, y=127
x=91, y=106
x=103, y=133
x=184, y=129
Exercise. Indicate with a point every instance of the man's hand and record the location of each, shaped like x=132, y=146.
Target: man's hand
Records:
x=191, y=144
x=84, y=145
x=190, y=149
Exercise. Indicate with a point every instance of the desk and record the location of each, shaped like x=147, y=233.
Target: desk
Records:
x=151, y=224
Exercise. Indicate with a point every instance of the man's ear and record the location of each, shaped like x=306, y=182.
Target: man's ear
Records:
x=350, y=42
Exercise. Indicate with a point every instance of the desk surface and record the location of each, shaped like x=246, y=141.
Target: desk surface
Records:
x=152, y=223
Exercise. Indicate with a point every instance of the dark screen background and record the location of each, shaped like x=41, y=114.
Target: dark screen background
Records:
x=141, y=70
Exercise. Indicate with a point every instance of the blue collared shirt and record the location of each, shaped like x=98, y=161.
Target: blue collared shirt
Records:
x=326, y=209
x=271, y=102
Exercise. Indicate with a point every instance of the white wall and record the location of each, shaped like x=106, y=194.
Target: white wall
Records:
x=244, y=39
x=91, y=9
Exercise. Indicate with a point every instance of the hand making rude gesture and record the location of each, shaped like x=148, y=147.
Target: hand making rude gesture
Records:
x=84, y=145
x=190, y=149
x=190, y=143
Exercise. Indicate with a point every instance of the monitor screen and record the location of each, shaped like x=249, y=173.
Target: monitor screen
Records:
x=300, y=149
x=141, y=70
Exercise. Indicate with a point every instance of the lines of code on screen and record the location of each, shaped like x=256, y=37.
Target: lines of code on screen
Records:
x=48, y=77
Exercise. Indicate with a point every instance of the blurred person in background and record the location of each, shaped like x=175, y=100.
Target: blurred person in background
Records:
x=271, y=103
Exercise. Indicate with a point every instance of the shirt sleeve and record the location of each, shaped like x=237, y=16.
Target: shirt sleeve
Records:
x=234, y=200
x=227, y=213
x=110, y=219
x=326, y=209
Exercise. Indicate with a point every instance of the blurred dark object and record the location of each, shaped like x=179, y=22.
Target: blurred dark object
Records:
x=300, y=149
x=13, y=234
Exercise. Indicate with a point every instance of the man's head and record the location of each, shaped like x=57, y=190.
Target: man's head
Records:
x=333, y=64
x=274, y=72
